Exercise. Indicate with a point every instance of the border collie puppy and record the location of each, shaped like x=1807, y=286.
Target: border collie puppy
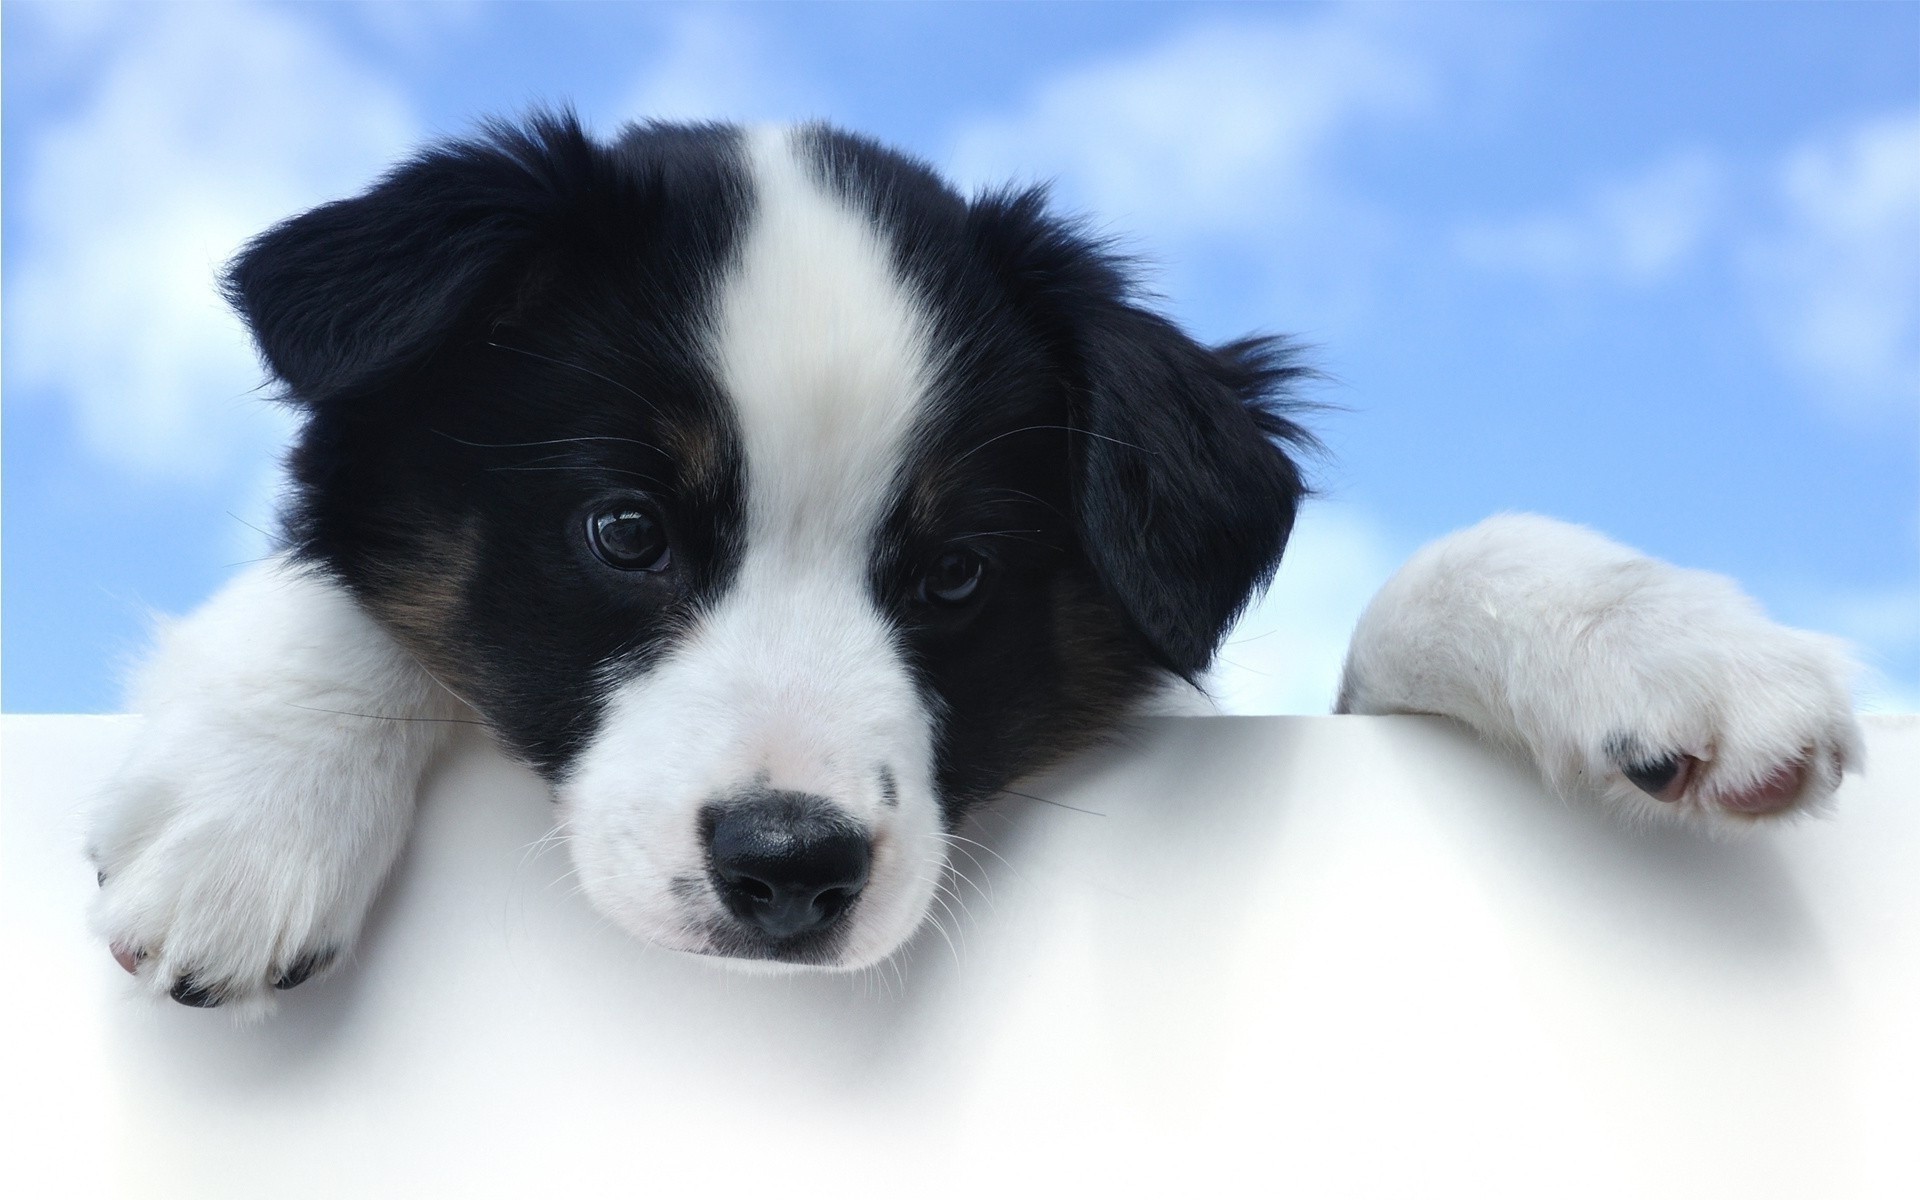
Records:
x=778, y=503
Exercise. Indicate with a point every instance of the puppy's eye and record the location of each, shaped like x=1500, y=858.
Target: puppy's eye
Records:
x=631, y=536
x=953, y=579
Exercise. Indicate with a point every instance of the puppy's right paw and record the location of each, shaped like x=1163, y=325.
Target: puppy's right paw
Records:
x=230, y=869
x=271, y=790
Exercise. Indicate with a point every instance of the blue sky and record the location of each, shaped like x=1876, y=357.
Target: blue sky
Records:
x=1652, y=268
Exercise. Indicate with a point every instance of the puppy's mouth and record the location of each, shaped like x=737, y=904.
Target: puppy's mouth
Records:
x=697, y=919
x=725, y=940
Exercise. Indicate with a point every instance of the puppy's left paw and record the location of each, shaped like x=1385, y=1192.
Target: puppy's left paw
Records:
x=1662, y=690
x=1722, y=718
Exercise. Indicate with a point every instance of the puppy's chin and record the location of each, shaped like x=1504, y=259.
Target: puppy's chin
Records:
x=765, y=967
x=857, y=950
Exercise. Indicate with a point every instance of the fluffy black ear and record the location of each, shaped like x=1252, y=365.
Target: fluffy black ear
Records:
x=1187, y=495
x=353, y=291
x=1186, y=491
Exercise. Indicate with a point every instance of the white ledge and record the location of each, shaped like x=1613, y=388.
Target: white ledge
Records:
x=1319, y=956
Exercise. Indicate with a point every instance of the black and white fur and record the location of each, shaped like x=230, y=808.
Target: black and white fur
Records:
x=924, y=499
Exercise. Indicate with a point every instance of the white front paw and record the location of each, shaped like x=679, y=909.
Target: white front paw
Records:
x=232, y=867
x=1663, y=690
x=270, y=793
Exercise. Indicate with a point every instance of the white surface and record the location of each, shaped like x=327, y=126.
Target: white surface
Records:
x=1336, y=956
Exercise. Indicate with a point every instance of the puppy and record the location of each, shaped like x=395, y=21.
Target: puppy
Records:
x=778, y=504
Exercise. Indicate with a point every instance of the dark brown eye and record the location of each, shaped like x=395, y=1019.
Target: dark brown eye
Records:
x=953, y=579
x=631, y=536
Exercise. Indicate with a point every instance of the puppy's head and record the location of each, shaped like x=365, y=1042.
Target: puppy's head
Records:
x=773, y=500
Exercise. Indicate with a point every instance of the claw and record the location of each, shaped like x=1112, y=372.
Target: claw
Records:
x=303, y=970
x=192, y=993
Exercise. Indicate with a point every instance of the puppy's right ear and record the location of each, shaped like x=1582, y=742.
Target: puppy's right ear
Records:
x=354, y=291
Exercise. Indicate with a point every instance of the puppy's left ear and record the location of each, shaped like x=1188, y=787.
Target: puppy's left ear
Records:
x=1186, y=491
x=1184, y=487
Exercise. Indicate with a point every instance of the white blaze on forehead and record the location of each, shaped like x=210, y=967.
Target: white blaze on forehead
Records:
x=824, y=352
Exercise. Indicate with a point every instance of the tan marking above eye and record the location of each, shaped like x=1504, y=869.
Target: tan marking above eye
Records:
x=696, y=453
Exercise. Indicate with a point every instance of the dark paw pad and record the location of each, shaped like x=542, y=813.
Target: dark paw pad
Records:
x=194, y=994
x=1655, y=777
x=303, y=970
x=1665, y=777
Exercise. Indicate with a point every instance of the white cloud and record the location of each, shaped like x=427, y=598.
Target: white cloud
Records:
x=1285, y=654
x=255, y=505
x=716, y=66
x=1223, y=129
x=1887, y=619
x=1824, y=244
x=1638, y=231
x=416, y=26
x=209, y=123
x=1883, y=624
x=1837, y=280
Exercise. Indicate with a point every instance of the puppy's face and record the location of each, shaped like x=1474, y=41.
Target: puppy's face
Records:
x=772, y=500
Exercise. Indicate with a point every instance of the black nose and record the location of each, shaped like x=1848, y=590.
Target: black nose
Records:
x=786, y=863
